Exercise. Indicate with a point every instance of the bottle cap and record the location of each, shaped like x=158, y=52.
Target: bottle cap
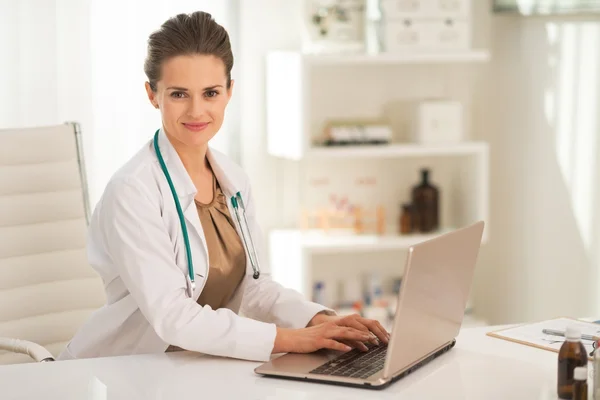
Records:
x=580, y=374
x=573, y=333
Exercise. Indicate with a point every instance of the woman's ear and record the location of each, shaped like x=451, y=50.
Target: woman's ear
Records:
x=230, y=89
x=151, y=95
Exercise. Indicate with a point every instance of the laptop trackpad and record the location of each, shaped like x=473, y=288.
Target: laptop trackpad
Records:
x=300, y=363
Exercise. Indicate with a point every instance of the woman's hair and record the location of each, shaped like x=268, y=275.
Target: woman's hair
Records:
x=187, y=34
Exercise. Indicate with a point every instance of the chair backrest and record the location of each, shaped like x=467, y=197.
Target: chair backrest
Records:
x=47, y=289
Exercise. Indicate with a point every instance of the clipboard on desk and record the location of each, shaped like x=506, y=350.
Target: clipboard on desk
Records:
x=531, y=334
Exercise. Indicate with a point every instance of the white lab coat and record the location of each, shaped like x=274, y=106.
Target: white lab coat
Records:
x=136, y=245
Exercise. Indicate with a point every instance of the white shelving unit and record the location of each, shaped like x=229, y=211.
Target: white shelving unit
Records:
x=292, y=253
x=397, y=150
x=294, y=106
x=288, y=90
x=391, y=58
x=317, y=242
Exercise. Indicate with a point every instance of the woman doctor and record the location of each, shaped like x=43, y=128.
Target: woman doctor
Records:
x=178, y=201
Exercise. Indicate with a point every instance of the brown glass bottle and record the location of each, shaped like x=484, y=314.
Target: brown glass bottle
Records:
x=572, y=354
x=406, y=219
x=580, y=387
x=426, y=198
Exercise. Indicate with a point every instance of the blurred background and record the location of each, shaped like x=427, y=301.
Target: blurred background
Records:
x=364, y=126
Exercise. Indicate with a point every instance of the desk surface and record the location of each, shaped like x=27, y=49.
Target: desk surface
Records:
x=479, y=367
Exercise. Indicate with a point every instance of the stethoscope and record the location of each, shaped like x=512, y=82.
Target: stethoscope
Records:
x=240, y=214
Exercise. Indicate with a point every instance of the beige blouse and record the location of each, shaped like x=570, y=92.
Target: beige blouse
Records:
x=226, y=254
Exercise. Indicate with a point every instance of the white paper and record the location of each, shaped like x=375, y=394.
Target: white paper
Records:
x=532, y=333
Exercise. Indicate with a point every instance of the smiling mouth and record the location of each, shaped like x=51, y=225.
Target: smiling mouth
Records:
x=196, y=126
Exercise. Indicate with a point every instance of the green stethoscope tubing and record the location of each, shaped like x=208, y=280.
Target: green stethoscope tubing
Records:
x=186, y=239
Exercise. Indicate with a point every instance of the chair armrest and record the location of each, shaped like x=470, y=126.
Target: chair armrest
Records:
x=34, y=350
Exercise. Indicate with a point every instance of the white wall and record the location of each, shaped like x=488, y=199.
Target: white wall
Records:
x=541, y=98
x=123, y=119
x=45, y=67
x=265, y=25
x=543, y=252
x=82, y=60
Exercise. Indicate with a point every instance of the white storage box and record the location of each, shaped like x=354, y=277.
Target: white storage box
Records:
x=417, y=9
x=438, y=122
x=428, y=35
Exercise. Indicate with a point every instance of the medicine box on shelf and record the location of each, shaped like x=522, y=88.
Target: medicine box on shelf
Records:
x=403, y=9
x=426, y=25
x=438, y=122
x=413, y=35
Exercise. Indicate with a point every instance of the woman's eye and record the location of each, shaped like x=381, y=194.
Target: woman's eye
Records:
x=177, y=95
x=211, y=93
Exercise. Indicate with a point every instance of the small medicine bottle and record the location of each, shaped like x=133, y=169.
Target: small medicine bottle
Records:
x=406, y=219
x=571, y=355
x=319, y=293
x=580, y=388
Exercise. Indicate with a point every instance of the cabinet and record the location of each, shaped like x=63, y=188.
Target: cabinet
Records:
x=408, y=9
x=425, y=35
x=303, y=93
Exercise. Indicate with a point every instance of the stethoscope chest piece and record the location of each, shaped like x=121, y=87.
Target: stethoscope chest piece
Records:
x=240, y=214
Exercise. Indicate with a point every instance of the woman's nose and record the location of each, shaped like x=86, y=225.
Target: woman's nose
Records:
x=197, y=107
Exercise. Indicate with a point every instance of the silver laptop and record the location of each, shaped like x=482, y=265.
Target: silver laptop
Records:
x=431, y=305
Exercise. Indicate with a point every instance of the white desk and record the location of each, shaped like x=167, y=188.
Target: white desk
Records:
x=478, y=368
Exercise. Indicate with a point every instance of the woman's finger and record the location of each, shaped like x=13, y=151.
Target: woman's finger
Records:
x=356, y=324
x=355, y=344
x=377, y=329
x=383, y=330
x=335, y=345
x=345, y=332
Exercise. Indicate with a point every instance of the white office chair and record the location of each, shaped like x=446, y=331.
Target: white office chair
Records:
x=47, y=289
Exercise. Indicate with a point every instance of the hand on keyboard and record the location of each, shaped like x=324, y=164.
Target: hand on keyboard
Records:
x=357, y=322
x=327, y=335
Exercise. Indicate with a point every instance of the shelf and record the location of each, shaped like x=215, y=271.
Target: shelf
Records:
x=317, y=242
x=397, y=150
x=305, y=90
x=292, y=251
x=460, y=56
x=290, y=93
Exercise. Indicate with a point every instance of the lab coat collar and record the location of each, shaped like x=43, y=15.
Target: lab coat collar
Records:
x=184, y=186
x=229, y=182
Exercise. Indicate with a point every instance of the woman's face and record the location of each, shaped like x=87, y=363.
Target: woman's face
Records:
x=192, y=95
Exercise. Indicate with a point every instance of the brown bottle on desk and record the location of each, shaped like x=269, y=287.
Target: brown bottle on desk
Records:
x=425, y=198
x=572, y=354
x=580, y=387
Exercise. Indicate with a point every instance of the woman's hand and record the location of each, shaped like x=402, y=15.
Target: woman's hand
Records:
x=357, y=322
x=328, y=335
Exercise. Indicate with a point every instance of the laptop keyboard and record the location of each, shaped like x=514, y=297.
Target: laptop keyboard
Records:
x=355, y=363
